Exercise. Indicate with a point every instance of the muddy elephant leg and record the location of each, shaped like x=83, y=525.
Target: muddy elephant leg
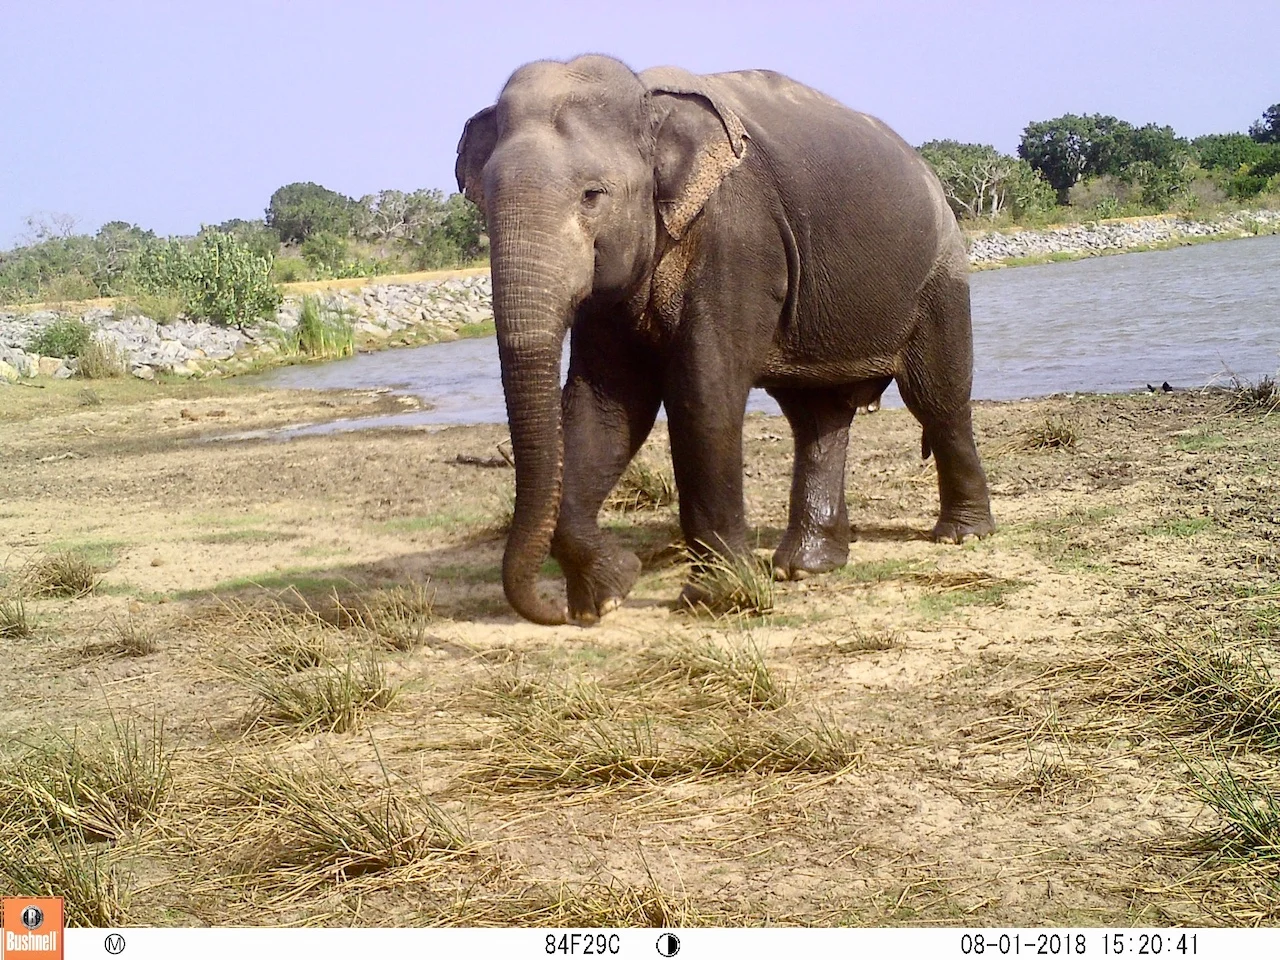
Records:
x=610, y=400
x=706, y=403
x=935, y=383
x=817, y=537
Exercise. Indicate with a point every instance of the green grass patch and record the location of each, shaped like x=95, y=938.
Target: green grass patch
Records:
x=469, y=573
x=1201, y=441
x=471, y=331
x=875, y=571
x=441, y=520
x=247, y=535
x=991, y=594
x=1184, y=527
x=101, y=553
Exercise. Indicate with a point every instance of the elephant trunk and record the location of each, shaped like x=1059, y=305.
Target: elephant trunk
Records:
x=532, y=310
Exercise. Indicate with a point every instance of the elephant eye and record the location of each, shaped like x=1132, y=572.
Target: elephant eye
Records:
x=591, y=196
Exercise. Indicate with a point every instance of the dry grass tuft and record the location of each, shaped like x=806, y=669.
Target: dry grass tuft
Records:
x=716, y=672
x=96, y=788
x=642, y=487
x=316, y=824
x=64, y=574
x=594, y=905
x=14, y=622
x=331, y=697
x=1227, y=691
x=1261, y=397
x=544, y=751
x=400, y=617
x=1054, y=433
x=729, y=584
x=867, y=641
x=127, y=637
x=101, y=360
x=280, y=637
x=93, y=892
x=1248, y=814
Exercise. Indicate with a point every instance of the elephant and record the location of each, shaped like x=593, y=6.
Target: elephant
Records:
x=697, y=236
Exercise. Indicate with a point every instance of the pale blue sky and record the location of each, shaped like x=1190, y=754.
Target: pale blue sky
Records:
x=171, y=115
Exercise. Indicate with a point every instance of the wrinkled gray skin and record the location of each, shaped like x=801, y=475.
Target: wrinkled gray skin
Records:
x=700, y=235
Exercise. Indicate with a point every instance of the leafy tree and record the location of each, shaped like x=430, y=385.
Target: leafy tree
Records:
x=1267, y=129
x=463, y=224
x=1153, y=144
x=1058, y=150
x=979, y=180
x=117, y=246
x=1227, y=151
x=298, y=210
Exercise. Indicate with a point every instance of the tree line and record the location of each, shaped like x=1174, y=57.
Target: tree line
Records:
x=1104, y=166
x=1070, y=166
x=307, y=232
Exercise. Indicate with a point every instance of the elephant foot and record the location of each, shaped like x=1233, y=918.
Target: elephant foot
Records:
x=948, y=530
x=600, y=586
x=796, y=559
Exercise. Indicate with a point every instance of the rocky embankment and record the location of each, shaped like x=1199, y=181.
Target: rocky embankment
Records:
x=383, y=314
x=387, y=314
x=1108, y=236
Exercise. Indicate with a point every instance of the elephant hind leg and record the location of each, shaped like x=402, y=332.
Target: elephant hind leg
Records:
x=817, y=537
x=936, y=380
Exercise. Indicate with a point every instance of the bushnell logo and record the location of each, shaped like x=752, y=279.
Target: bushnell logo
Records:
x=32, y=929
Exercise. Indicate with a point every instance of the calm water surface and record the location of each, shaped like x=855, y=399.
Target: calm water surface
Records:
x=1191, y=316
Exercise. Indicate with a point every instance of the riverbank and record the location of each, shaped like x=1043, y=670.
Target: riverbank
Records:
x=1023, y=247
x=350, y=727
x=436, y=307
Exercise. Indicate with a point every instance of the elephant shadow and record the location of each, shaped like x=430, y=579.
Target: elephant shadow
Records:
x=460, y=581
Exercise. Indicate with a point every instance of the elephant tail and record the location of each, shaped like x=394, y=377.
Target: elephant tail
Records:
x=924, y=446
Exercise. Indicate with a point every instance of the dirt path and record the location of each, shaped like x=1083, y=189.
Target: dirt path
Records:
x=1008, y=732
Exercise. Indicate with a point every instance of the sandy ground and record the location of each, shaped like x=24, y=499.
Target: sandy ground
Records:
x=987, y=738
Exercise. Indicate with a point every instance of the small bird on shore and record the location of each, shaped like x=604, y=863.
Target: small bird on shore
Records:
x=1166, y=388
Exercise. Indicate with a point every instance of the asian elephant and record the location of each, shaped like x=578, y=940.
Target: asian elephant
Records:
x=698, y=236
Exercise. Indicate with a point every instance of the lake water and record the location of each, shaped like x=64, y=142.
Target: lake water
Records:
x=1190, y=316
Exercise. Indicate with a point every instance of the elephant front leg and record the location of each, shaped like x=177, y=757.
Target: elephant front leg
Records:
x=609, y=405
x=817, y=537
x=705, y=414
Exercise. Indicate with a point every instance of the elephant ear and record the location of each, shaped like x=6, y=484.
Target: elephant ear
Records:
x=478, y=138
x=699, y=142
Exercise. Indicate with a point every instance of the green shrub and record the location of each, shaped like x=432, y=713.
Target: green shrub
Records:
x=324, y=252
x=228, y=283
x=65, y=337
x=218, y=278
x=290, y=270
x=323, y=330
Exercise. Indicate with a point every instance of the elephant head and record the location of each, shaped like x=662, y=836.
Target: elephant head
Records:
x=585, y=172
